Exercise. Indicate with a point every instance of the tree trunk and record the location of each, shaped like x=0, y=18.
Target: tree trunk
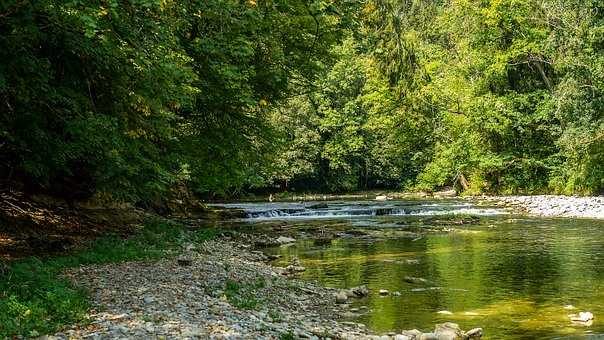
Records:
x=463, y=182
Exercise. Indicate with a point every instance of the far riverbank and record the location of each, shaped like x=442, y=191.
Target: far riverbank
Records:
x=538, y=205
x=555, y=205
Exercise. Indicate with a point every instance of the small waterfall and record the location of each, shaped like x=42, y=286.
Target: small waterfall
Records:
x=357, y=209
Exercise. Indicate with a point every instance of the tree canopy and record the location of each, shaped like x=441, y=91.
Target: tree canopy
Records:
x=125, y=99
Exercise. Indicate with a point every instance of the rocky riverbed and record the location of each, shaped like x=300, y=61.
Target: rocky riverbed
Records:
x=221, y=289
x=552, y=205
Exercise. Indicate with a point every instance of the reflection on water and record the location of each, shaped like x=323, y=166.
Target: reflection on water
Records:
x=511, y=276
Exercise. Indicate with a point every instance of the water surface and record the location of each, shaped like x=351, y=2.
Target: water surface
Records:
x=515, y=276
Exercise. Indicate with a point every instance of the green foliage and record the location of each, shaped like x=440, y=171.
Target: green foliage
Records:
x=36, y=300
x=509, y=98
x=116, y=98
x=85, y=95
x=289, y=335
x=128, y=99
x=245, y=55
x=505, y=93
x=243, y=294
x=341, y=132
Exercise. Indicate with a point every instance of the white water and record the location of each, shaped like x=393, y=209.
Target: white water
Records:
x=356, y=209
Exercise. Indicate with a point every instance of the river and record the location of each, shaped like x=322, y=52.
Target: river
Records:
x=463, y=261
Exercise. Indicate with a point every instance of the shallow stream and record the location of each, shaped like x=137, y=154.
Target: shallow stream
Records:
x=450, y=260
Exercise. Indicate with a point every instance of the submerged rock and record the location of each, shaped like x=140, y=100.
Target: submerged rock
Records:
x=360, y=291
x=474, y=333
x=416, y=280
x=384, y=292
x=285, y=240
x=357, y=292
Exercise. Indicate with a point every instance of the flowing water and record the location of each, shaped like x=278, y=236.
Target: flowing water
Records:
x=451, y=260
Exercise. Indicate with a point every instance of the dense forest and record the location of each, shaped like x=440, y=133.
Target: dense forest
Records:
x=127, y=99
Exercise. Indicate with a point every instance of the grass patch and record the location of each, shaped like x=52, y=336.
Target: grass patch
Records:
x=243, y=295
x=287, y=336
x=275, y=315
x=35, y=300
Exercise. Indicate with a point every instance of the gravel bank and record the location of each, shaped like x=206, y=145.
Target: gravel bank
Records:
x=550, y=205
x=222, y=289
x=225, y=291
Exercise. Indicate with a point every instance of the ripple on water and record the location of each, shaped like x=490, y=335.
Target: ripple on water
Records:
x=511, y=275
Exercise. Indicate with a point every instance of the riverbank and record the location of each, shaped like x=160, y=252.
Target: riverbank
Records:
x=554, y=205
x=217, y=289
x=170, y=281
x=221, y=289
x=175, y=281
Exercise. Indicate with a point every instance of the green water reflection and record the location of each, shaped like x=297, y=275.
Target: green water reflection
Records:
x=513, y=277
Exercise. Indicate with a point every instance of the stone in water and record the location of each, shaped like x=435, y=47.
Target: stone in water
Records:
x=581, y=317
x=341, y=297
x=284, y=240
x=474, y=333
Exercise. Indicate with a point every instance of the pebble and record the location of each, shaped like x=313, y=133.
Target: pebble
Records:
x=162, y=299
